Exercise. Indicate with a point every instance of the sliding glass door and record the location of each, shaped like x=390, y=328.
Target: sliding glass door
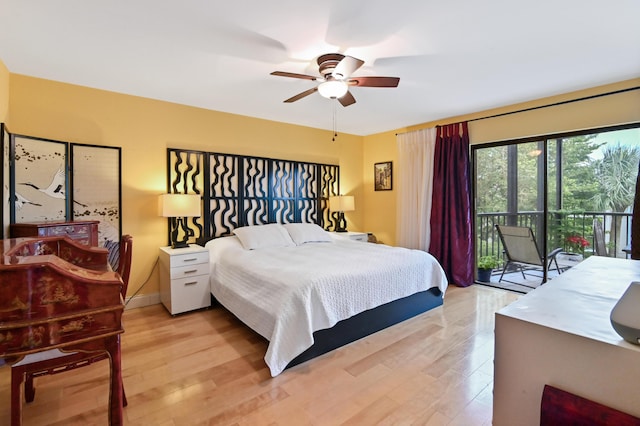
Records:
x=564, y=187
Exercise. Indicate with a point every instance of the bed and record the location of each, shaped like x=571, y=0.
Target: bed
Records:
x=250, y=202
x=307, y=292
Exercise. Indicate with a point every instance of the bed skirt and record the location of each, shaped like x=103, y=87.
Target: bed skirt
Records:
x=369, y=322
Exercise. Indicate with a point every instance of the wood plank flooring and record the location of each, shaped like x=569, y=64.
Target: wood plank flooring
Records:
x=206, y=368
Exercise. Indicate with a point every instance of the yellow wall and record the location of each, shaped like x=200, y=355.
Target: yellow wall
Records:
x=380, y=206
x=611, y=110
x=4, y=93
x=144, y=128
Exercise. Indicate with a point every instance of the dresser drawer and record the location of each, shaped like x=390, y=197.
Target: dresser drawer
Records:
x=189, y=270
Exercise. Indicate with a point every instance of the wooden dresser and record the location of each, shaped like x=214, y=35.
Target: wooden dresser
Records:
x=84, y=232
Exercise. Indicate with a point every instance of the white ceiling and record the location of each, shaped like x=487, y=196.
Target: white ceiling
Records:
x=452, y=56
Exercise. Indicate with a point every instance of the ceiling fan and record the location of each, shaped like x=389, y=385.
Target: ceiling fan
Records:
x=335, y=78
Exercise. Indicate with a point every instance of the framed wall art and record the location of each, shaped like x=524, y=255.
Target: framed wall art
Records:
x=383, y=176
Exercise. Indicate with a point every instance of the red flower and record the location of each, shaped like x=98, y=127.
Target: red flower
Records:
x=576, y=243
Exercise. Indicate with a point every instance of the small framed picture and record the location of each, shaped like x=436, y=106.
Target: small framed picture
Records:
x=382, y=176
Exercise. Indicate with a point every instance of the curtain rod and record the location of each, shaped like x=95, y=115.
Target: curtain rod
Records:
x=585, y=98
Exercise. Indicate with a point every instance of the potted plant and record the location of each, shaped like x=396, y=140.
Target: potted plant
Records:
x=576, y=244
x=486, y=265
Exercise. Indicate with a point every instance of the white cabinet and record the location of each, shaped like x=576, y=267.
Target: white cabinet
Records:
x=354, y=236
x=561, y=335
x=184, y=278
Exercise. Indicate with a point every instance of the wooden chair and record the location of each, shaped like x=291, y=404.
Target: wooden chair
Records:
x=55, y=361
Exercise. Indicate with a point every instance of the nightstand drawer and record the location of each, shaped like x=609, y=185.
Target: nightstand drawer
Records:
x=189, y=294
x=189, y=270
x=189, y=259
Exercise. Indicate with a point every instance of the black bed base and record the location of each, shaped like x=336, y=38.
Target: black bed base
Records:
x=369, y=322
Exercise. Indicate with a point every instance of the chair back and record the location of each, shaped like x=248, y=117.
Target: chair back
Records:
x=519, y=244
x=598, y=239
x=124, y=265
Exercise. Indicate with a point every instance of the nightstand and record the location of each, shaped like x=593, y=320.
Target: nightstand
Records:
x=184, y=278
x=353, y=236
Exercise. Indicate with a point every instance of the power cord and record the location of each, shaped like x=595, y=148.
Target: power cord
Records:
x=144, y=283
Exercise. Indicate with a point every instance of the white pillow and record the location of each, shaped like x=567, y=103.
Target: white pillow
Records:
x=260, y=236
x=307, y=233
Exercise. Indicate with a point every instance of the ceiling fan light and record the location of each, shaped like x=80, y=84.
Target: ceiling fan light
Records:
x=333, y=89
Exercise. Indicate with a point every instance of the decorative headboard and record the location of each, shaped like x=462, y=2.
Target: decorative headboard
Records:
x=239, y=190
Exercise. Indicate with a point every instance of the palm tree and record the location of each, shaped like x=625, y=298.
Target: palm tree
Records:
x=616, y=174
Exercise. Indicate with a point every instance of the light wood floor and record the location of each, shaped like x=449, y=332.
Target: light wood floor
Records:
x=206, y=368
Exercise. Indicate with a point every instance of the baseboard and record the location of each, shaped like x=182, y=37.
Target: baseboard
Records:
x=142, y=300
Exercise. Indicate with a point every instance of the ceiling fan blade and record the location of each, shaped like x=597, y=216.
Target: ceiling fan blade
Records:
x=347, y=99
x=347, y=66
x=374, y=81
x=294, y=75
x=301, y=95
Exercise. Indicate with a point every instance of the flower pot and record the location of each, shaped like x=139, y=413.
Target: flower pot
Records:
x=484, y=275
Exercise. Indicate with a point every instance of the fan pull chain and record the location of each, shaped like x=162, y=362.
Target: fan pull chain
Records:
x=335, y=121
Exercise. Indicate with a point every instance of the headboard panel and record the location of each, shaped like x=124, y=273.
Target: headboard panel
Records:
x=240, y=190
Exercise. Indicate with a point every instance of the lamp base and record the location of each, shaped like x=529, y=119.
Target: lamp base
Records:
x=179, y=245
x=341, y=224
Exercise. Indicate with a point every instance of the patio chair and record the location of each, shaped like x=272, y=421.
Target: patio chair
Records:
x=521, y=250
x=598, y=239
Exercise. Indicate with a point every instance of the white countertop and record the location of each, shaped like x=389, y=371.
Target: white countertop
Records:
x=580, y=300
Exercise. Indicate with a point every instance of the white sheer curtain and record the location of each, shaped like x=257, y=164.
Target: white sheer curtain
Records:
x=415, y=187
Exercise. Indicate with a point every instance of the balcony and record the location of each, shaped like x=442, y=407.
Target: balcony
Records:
x=617, y=230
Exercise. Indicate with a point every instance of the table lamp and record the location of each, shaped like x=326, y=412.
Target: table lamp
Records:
x=341, y=204
x=178, y=207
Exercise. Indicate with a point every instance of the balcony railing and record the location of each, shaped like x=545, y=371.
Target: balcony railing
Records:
x=617, y=228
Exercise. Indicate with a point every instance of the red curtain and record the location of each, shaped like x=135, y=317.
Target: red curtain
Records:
x=451, y=222
x=635, y=224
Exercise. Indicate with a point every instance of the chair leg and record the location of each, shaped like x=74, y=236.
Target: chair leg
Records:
x=116, y=399
x=29, y=390
x=503, y=269
x=17, y=377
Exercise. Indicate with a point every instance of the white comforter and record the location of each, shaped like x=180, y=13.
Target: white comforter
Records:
x=287, y=293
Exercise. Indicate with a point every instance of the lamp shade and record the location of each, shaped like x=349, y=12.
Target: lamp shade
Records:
x=179, y=205
x=342, y=203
